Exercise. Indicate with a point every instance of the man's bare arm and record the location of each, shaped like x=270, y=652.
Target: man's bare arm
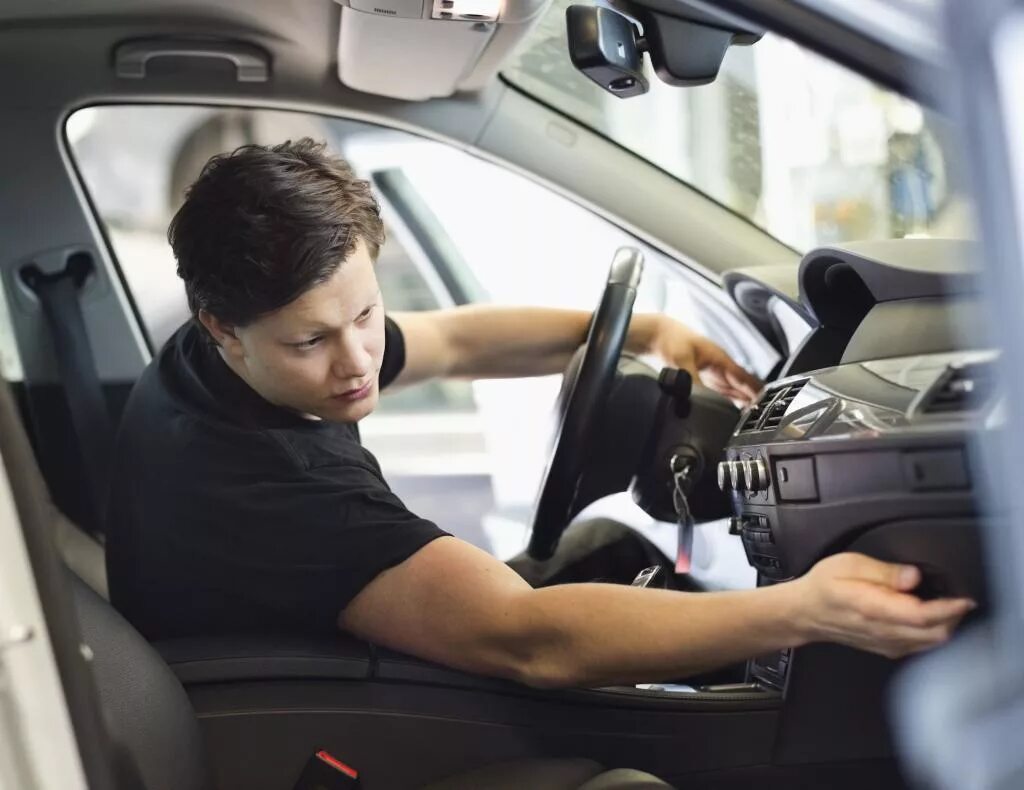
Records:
x=458, y=606
x=484, y=341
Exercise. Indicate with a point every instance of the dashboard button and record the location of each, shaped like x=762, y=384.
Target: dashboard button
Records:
x=795, y=479
x=756, y=474
x=724, y=475
x=739, y=482
x=928, y=470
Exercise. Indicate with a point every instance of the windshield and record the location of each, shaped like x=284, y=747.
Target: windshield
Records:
x=805, y=149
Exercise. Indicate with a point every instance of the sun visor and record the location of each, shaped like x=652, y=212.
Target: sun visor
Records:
x=422, y=49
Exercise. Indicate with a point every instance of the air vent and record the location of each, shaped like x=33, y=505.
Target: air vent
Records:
x=754, y=415
x=385, y=11
x=776, y=410
x=767, y=413
x=961, y=389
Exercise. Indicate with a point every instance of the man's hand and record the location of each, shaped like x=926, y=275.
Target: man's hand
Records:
x=681, y=347
x=864, y=603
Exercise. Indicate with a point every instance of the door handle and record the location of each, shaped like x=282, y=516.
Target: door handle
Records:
x=252, y=64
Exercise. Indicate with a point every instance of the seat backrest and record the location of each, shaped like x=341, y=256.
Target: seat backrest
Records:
x=79, y=550
x=150, y=720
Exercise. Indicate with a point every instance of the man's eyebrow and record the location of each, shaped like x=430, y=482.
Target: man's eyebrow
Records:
x=370, y=301
x=315, y=326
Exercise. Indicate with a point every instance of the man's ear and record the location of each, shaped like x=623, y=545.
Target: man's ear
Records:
x=223, y=334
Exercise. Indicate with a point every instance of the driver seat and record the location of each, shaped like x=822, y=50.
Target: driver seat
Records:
x=156, y=734
x=150, y=720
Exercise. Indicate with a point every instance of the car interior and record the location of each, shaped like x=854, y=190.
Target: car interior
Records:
x=877, y=375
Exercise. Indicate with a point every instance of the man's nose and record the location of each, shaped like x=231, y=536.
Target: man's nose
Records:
x=351, y=361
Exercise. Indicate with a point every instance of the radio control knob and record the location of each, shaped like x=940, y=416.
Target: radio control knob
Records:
x=756, y=474
x=724, y=475
x=739, y=482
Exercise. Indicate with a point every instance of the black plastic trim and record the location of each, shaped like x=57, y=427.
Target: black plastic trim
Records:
x=216, y=660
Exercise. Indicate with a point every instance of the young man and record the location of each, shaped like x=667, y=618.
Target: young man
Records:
x=252, y=505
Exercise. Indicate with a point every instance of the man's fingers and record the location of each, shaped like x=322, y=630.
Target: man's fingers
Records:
x=712, y=357
x=739, y=378
x=735, y=373
x=722, y=386
x=860, y=567
x=904, y=640
x=727, y=383
x=884, y=605
x=875, y=607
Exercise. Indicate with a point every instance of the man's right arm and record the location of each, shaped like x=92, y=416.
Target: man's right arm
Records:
x=454, y=604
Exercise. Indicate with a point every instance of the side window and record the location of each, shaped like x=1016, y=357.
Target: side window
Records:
x=137, y=162
x=516, y=242
x=507, y=240
x=460, y=229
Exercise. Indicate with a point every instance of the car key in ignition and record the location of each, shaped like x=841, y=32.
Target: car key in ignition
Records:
x=682, y=468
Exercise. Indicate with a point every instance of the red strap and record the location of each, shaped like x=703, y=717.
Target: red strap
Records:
x=337, y=764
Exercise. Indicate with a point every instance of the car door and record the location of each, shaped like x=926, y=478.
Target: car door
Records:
x=460, y=230
x=501, y=238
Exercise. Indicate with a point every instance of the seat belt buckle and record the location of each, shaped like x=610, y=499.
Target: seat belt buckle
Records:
x=324, y=771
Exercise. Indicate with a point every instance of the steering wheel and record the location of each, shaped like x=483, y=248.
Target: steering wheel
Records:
x=589, y=386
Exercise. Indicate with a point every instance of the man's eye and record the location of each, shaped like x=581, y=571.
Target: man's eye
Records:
x=306, y=344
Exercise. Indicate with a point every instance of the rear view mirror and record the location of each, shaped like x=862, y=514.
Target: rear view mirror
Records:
x=686, y=44
x=606, y=47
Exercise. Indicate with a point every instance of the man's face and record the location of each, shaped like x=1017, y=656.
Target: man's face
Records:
x=320, y=354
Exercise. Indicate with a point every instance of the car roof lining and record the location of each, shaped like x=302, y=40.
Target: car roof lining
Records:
x=59, y=73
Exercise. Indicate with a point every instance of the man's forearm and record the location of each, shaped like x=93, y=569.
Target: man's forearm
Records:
x=599, y=634
x=504, y=342
x=453, y=603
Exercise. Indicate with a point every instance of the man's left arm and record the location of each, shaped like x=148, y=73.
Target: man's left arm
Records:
x=510, y=342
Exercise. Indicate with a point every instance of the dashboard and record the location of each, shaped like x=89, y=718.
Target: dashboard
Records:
x=863, y=441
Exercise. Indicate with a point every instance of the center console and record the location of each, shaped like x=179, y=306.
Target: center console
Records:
x=871, y=455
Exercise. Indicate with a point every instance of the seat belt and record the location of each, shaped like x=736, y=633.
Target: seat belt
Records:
x=58, y=292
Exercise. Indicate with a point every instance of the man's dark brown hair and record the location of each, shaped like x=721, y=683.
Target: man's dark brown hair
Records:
x=262, y=225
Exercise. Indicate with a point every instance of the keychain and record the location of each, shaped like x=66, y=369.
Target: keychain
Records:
x=681, y=469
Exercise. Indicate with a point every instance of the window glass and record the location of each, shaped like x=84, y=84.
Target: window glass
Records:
x=804, y=148
x=137, y=161
x=467, y=455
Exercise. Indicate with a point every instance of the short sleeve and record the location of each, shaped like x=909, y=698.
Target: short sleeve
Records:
x=318, y=546
x=394, y=352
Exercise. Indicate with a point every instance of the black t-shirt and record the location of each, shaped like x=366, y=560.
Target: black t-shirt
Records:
x=229, y=514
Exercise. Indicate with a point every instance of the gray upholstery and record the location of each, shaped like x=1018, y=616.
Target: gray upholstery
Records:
x=536, y=774
x=550, y=774
x=624, y=779
x=150, y=720
x=80, y=552
x=154, y=728
x=149, y=717
x=78, y=549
